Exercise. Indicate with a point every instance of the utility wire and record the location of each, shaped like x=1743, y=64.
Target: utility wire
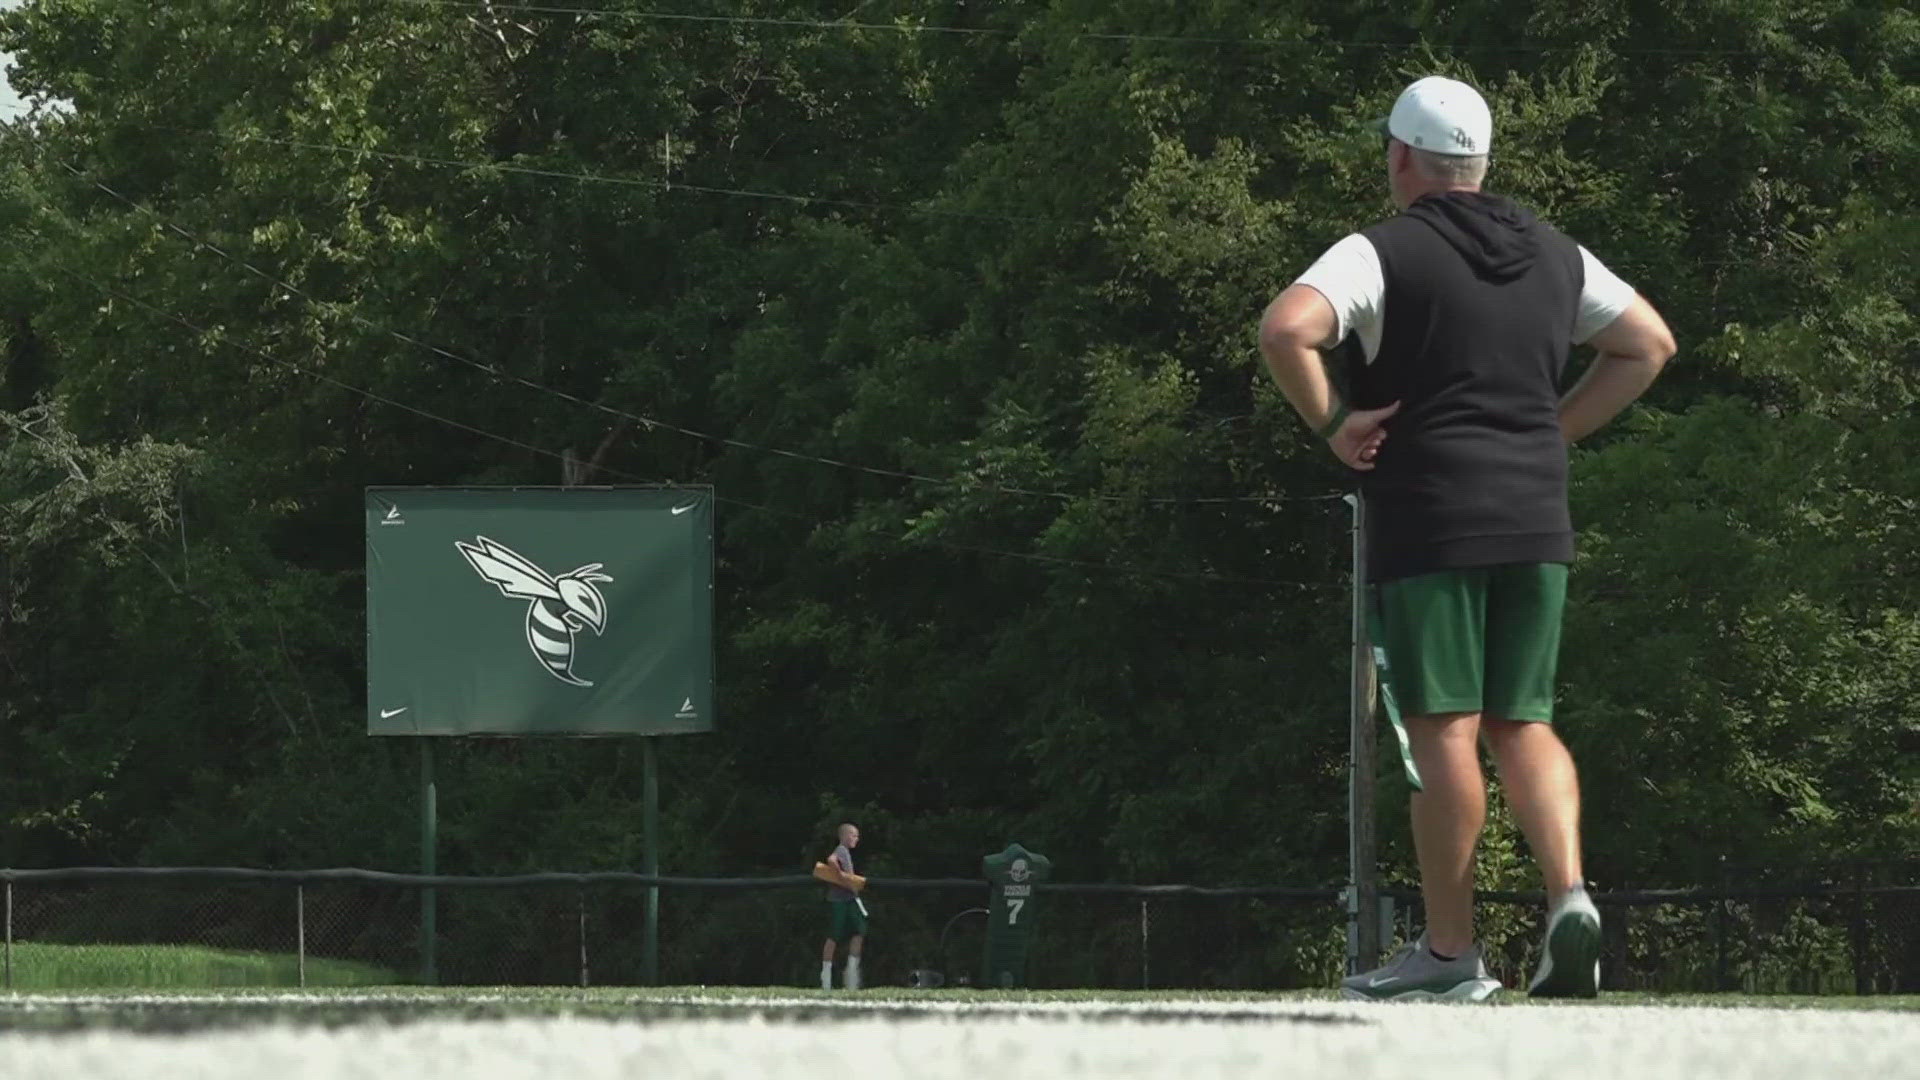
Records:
x=653, y=423
x=903, y=27
x=322, y=377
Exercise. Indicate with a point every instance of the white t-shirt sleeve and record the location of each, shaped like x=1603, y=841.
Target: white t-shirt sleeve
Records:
x=1349, y=276
x=1602, y=300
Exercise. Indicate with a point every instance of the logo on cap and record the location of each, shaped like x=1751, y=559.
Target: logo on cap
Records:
x=1462, y=139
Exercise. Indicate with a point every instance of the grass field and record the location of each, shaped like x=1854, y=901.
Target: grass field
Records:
x=182, y=1009
x=936, y=1035
x=41, y=966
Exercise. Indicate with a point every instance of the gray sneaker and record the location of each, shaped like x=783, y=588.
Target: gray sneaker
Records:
x=1570, y=957
x=1415, y=974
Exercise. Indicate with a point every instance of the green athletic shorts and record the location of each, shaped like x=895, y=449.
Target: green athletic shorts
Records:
x=1484, y=640
x=845, y=920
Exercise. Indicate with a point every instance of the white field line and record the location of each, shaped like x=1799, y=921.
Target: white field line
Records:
x=556, y=999
x=1431, y=1041
x=560, y=996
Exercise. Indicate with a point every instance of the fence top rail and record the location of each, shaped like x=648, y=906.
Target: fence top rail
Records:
x=357, y=876
x=1696, y=895
x=353, y=875
x=1147, y=892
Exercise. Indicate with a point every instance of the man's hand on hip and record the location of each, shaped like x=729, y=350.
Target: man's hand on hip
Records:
x=1357, y=442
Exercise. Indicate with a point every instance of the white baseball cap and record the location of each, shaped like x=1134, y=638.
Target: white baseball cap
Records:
x=1442, y=116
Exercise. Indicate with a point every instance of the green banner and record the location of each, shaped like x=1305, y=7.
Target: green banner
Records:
x=539, y=611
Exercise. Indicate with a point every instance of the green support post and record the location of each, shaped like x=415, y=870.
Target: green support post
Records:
x=429, y=827
x=650, y=860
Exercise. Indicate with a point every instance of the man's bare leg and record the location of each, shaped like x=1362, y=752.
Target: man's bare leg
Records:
x=1448, y=814
x=1544, y=791
x=853, y=961
x=1542, y=787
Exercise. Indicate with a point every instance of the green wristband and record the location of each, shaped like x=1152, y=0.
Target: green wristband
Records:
x=1333, y=425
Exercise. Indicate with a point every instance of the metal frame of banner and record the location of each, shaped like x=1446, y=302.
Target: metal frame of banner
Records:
x=649, y=763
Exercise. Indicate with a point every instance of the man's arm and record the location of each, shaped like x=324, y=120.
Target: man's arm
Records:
x=1632, y=350
x=1294, y=327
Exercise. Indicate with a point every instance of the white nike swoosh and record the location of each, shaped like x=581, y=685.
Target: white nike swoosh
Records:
x=678, y=510
x=1382, y=982
x=388, y=714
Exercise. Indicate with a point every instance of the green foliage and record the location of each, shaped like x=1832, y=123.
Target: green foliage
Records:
x=1026, y=258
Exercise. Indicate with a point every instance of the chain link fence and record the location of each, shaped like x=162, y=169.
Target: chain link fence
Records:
x=1844, y=929
x=161, y=932
x=122, y=928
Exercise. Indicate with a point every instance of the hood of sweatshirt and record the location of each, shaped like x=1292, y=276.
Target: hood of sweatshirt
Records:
x=1498, y=237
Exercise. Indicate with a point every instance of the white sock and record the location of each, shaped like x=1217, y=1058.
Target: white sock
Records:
x=853, y=973
x=826, y=974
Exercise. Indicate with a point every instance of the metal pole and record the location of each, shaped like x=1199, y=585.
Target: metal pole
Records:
x=9, y=935
x=1145, y=942
x=300, y=920
x=1861, y=982
x=429, y=825
x=1719, y=944
x=1364, y=906
x=650, y=860
x=583, y=937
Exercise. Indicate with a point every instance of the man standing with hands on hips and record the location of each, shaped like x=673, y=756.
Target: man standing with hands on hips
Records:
x=1466, y=307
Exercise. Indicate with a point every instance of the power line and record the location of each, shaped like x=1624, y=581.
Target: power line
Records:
x=1090, y=564
x=1172, y=575
x=1085, y=564
x=652, y=423
x=158, y=312
x=801, y=200
x=688, y=17
x=666, y=186
x=1601, y=591
x=490, y=6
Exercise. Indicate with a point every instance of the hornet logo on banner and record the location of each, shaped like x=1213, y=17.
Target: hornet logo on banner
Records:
x=557, y=607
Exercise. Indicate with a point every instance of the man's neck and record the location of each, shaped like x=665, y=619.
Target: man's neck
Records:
x=1437, y=188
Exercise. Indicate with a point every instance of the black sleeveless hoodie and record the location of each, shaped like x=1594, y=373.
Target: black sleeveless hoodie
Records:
x=1481, y=299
